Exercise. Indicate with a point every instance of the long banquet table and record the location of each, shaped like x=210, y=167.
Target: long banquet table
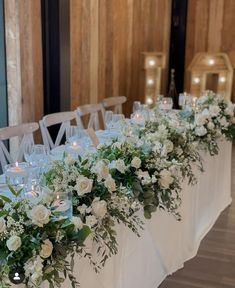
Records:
x=166, y=244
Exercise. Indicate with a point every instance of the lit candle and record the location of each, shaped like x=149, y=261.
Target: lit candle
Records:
x=139, y=119
x=16, y=171
x=166, y=104
x=74, y=148
x=61, y=203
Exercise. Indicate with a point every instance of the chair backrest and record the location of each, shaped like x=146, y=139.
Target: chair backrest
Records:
x=23, y=131
x=115, y=103
x=94, y=139
x=63, y=118
x=91, y=110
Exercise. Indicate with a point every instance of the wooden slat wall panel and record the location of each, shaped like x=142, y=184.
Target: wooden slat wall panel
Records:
x=24, y=61
x=31, y=60
x=107, y=38
x=210, y=28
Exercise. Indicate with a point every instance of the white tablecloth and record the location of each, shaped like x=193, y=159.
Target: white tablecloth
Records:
x=166, y=244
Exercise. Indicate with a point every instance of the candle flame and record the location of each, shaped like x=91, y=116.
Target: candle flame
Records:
x=17, y=164
x=74, y=143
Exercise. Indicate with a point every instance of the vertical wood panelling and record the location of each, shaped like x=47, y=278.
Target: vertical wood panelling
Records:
x=31, y=60
x=24, y=60
x=94, y=51
x=210, y=28
x=13, y=61
x=107, y=38
x=216, y=20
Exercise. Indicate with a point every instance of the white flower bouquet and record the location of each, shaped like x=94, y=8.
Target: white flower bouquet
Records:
x=99, y=199
x=35, y=243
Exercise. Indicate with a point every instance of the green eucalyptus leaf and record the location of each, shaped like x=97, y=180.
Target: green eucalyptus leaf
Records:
x=5, y=199
x=3, y=213
x=12, y=190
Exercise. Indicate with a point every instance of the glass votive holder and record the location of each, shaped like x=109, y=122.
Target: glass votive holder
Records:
x=61, y=204
x=138, y=118
x=33, y=192
x=73, y=149
x=182, y=99
x=166, y=103
x=16, y=174
x=33, y=172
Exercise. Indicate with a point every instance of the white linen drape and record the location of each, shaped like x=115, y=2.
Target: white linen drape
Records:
x=166, y=244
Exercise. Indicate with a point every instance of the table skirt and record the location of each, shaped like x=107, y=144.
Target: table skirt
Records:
x=165, y=244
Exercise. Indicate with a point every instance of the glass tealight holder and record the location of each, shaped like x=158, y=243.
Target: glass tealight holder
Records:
x=166, y=103
x=138, y=118
x=16, y=174
x=62, y=204
x=33, y=192
x=74, y=149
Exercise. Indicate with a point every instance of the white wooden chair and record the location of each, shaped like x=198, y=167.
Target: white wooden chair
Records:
x=115, y=103
x=92, y=111
x=94, y=139
x=63, y=118
x=23, y=131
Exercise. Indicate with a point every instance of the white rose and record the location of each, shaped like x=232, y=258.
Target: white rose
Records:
x=233, y=120
x=2, y=225
x=101, y=169
x=46, y=249
x=110, y=184
x=223, y=122
x=165, y=179
x=99, y=208
x=211, y=125
x=77, y=222
x=120, y=165
x=200, y=131
x=136, y=162
x=200, y=119
x=214, y=110
x=39, y=215
x=91, y=221
x=14, y=243
x=83, y=185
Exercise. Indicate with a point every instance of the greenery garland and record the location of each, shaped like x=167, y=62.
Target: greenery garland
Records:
x=142, y=170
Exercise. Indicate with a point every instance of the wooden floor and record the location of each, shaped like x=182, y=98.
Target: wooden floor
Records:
x=214, y=265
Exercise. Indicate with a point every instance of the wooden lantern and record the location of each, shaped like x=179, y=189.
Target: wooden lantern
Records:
x=154, y=62
x=211, y=71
